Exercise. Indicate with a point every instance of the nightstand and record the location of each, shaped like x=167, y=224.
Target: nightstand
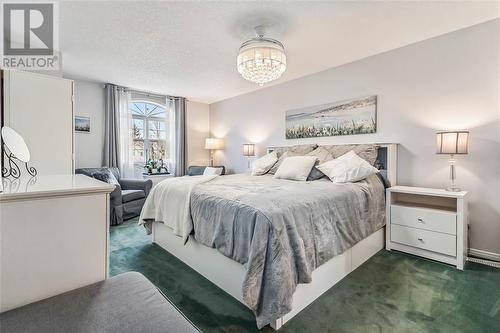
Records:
x=426, y=222
x=157, y=177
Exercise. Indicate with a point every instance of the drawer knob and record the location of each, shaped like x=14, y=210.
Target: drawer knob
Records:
x=420, y=220
x=420, y=239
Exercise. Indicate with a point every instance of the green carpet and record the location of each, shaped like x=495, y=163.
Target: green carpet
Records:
x=392, y=292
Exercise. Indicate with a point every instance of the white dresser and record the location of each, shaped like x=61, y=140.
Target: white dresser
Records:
x=431, y=223
x=53, y=236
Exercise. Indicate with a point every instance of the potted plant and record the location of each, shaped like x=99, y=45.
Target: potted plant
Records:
x=151, y=166
x=155, y=164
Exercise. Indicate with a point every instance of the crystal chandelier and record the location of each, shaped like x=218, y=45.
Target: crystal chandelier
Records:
x=261, y=59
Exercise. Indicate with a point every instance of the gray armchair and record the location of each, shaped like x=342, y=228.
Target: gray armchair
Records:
x=128, y=196
x=195, y=170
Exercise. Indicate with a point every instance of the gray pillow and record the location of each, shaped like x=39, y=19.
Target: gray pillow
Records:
x=368, y=152
x=323, y=155
x=102, y=176
x=106, y=176
x=297, y=150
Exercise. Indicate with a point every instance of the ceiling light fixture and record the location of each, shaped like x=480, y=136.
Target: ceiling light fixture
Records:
x=261, y=59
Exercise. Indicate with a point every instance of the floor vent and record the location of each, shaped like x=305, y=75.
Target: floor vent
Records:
x=484, y=262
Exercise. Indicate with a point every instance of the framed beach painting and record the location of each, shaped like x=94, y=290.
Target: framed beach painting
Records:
x=82, y=124
x=349, y=117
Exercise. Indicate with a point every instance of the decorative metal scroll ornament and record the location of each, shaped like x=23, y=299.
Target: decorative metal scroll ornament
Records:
x=11, y=168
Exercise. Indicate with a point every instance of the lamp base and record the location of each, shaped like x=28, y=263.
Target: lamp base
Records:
x=452, y=187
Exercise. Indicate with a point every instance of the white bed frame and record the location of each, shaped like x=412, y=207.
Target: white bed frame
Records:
x=228, y=274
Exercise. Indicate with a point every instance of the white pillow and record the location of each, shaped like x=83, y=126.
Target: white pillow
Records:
x=263, y=164
x=209, y=171
x=347, y=168
x=296, y=167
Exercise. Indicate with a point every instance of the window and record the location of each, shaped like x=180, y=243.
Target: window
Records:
x=150, y=132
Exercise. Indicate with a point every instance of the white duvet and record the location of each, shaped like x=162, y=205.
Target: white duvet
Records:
x=169, y=202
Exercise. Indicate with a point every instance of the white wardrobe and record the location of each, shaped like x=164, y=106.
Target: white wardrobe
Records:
x=40, y=108
x=54, y=228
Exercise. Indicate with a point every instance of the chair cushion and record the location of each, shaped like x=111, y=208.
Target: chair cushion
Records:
x=131, y=195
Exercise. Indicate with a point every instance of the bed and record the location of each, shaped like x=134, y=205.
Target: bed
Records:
x=275, y=245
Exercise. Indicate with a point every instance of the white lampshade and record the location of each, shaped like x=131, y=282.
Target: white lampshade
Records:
x=248, y=149
x=452, y=142
x=214, y=143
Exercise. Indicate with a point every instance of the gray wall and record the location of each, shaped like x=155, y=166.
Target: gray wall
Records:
x=197, y=130
x=448, y=82
x=89, y=102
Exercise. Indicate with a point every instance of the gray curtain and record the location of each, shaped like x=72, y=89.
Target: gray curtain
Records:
x=178, y=106
x=111, y=153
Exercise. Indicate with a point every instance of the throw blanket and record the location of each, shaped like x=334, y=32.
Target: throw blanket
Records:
x=169, y=201
x=281, y=230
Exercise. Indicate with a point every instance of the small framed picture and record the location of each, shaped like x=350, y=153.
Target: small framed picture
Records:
x=82, y=124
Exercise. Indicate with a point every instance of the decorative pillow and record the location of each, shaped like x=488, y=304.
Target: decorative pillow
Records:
x=296, y=168
x=102, y=176
x=263, y=164
x=347, y=168
x=106, y=176
x=297, y=150
x=323, y=156
x=112, y=178
x=284, y=155
x=367, y=152
x=209, y=171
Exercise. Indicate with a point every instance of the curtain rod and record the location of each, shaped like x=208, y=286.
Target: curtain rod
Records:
x=146, y=93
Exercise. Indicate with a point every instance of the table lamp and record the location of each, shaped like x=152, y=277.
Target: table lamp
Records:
x=248, y=151
x=213, y=144
x=452, y=143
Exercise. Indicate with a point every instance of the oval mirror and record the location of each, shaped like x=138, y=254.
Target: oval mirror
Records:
x=15, y=143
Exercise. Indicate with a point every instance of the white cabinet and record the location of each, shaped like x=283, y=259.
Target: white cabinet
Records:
x=40, y=108
x=431, y=223
x=53, y=236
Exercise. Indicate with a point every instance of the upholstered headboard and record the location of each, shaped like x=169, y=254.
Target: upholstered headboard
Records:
x=387, y=160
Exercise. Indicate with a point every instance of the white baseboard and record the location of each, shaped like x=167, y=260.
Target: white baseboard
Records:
x=484, y=254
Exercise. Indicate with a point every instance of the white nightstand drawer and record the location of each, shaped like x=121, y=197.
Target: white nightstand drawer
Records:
x=424, y=218
x=424, y=239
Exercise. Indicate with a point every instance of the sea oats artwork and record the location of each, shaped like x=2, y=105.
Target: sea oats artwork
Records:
x=355, y=116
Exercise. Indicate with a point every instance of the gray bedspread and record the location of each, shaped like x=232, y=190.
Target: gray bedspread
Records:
x=282, y=230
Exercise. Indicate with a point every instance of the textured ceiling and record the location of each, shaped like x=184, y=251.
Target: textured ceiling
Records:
x=189, y=48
